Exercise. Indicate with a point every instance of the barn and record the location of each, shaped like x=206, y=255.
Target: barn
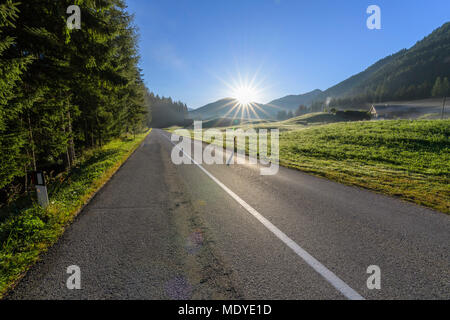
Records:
x=403, y=111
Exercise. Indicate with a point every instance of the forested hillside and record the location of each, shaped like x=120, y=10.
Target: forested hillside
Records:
x=417, y=73
x=165, y=112
x=64, y=90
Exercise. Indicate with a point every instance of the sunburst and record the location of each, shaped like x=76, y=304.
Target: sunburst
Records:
x=246, y=92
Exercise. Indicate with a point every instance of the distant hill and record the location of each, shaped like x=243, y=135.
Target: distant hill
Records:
x=225, y=107
x=353, y=84
x=292, y=102
x=228, y=108
x=407, y=74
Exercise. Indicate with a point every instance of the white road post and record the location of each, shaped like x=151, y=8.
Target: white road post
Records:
x=41, y=189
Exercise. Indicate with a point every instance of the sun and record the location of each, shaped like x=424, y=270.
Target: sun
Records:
x=245, y=94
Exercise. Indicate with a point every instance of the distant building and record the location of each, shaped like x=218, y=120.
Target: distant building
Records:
x=402, y=111
x=383, y=111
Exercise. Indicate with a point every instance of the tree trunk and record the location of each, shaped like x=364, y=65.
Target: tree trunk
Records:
x=68, y=163
x=32, y=143
x=86, y=133
x=71, y=143
x=26, y=180
x=25, y=164
x=92, y=137
x=66, y=156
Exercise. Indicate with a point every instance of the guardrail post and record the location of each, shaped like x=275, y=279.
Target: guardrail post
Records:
x=41, y=189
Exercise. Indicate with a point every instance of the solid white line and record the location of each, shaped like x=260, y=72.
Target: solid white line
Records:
x=333, y=279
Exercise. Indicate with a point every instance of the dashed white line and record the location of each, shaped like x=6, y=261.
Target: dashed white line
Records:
x=328, y=275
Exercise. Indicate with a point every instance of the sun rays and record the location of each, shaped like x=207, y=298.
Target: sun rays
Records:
x=246, y=95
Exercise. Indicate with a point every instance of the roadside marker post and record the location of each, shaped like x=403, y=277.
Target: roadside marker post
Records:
x=41, y=188
x=232, y=154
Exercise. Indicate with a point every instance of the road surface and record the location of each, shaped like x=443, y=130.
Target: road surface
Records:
x=161, y=231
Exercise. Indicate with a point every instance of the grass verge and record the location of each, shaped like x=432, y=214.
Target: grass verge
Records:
x=401, y=158
x=406, y=159
x=25, y=235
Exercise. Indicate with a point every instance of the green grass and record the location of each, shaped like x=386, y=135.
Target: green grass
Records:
x=227, y=122
x=402, y=158
x=408, y=159
x=26, y=234
x=310, y=119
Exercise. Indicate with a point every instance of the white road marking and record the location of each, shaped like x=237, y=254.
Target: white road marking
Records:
x=333, y=279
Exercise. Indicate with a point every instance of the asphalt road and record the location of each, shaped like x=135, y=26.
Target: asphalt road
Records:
x=161, y=231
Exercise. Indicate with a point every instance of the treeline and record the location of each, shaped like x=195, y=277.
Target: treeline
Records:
x=64, y=90
x=166, y=112
x=284, y=114
x=439, y=89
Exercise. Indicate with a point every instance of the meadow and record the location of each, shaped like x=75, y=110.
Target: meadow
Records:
x=407, y=159
x=402, y=158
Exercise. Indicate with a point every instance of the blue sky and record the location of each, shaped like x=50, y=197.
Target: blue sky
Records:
x=191, y=49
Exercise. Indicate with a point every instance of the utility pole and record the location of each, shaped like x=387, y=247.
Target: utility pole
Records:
x=443, y=108
x=234, y=148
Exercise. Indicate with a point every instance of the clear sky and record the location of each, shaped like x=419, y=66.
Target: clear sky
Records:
x=191, y=49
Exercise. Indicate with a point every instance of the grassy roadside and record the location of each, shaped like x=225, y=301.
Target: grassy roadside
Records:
x=406, y=159
x=402, y=158
x=24, y=236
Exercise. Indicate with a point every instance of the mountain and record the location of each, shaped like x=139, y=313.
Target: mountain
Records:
x=228, y=107
x=292, y=102
x=407, y=74
x=354, y=83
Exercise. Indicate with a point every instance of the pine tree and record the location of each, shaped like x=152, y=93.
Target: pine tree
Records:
x=65, y=90
x=437, y=88
x=445, y=88
x=12, y=102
